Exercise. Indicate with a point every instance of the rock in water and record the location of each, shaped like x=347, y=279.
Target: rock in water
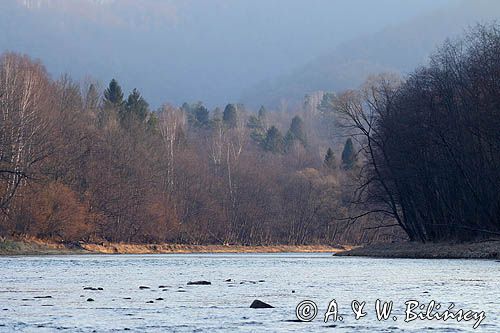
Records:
x=257, y=304
x=200, y=283
x=90, y=299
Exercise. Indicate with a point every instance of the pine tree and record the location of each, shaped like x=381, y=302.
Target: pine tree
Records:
x=136, y=107
x=230, y=116
x=258, y=133
x=297, y=131
x=348, y=155
x=113, y=95
x=201, y=115
x=274, y=141
x=330, y=160
x=197, y=114
x=253, y=122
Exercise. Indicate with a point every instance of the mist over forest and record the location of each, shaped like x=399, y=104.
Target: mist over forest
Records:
x=235, y=122
x=217, y=51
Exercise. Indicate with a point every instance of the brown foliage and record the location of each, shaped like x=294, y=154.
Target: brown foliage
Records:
x=52, y=211
x=78, y=172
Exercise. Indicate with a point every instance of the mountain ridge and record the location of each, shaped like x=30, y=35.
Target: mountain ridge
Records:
x=350, y=63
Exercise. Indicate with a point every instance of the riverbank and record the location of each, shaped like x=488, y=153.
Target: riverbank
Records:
x=478, y=250
x=36, y=247
x=39, y=247
x=121, y=248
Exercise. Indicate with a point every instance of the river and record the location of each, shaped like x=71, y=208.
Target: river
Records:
x=46, y=293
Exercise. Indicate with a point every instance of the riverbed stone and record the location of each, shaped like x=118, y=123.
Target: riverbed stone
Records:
x=199, y=283
x=258, y=304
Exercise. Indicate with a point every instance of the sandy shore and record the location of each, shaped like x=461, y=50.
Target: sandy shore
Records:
x=38, y=247
x=478, y=250
x=185, y=248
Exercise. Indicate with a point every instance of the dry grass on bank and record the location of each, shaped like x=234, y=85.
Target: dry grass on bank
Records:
x=181, y=248
x=35, y=247
x=478, y=250
x=39, y=247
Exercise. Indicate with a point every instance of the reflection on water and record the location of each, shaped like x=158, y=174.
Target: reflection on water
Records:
x=44, y=294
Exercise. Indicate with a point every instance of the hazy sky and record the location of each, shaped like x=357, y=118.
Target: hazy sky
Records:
x=188, y=50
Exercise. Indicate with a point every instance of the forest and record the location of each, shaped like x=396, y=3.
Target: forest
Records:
x=432, y=142
x=80, y=163
x=415, y=158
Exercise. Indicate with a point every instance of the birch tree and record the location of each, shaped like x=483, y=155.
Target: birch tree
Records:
x=25, y=93
x=171, y=122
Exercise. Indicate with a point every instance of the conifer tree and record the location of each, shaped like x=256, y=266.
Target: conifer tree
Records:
x=297, y=132
x=230, y=116
x=253, y=122
x=274, y=141
x=330, y=160
x=201, y=115
x=136, y=107
x=348, y=155
x=113, y=95
x=197, y=114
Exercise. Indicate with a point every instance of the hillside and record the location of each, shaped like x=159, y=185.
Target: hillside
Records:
x=397, y=48
x=185, y=51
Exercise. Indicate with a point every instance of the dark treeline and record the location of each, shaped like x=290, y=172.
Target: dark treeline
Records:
x=432, y=142
x=82, y=163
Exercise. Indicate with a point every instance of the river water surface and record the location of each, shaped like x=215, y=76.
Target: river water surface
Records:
x=46, y=293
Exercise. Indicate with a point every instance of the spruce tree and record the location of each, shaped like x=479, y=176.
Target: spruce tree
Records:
x=348, y=155
x=258, y=133
x=274, y=141
x=253, y=122
x=136, y=107
x=197, y=114
x=201, y=115
x=330, y=160
x=297, y=132
x=230, y=116
x=113, y=95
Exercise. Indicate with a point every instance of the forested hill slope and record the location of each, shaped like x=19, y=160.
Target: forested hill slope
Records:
x=397, y=48
x=189, y=50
